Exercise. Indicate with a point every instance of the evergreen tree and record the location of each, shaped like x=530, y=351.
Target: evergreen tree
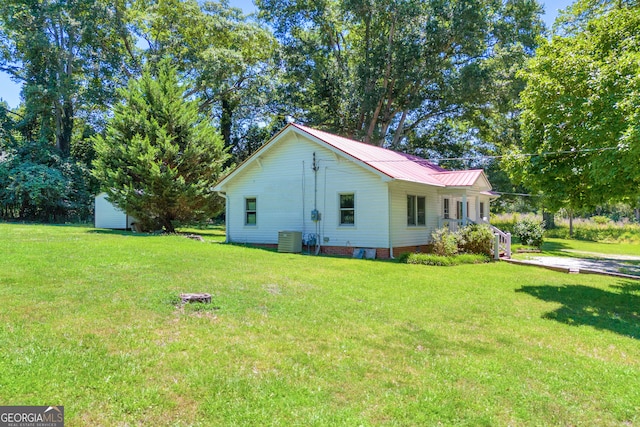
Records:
x=160, y=158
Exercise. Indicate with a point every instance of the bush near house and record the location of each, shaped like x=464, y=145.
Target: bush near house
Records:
x=476, y=239
x=442, y=261
x=445, y=243
x=472, y=239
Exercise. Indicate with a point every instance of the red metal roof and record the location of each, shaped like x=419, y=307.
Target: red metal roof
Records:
x=459, y=178
x=394, y=164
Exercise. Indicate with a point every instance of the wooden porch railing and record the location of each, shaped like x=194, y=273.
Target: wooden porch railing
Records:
x=504, y=241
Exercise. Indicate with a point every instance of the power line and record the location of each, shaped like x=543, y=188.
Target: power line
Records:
x=487, y=157
x=502, y=193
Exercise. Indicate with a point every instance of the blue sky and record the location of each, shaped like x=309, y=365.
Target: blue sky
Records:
x=10, y=91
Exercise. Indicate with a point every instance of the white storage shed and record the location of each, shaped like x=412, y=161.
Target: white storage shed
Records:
x=109, y=216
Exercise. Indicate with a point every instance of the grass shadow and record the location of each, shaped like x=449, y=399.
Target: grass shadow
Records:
x=555, y=249
x=628, y=287
x=213, y=236
x=113, y=232
x=601, y=309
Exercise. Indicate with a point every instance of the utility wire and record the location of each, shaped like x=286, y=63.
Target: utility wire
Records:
x=546, y=153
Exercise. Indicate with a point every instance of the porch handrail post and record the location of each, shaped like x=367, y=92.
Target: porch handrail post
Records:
x=496, y=247
x=464, y=210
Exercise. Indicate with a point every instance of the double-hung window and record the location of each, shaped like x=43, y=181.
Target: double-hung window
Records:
x=445, y=209
x=347, y=209
x=482, y=215
x=416, y=210
x=250, y=211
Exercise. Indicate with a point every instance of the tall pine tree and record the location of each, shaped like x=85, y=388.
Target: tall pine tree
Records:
x=160, y=158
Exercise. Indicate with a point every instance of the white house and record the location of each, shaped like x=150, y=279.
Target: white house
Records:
x=346, y=195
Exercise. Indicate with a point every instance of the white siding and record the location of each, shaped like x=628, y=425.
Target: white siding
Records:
x=107, y=215
x=409, y=235
x=286, y=191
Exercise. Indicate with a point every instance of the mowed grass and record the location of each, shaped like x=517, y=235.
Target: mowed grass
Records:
x=557, y=246
x=88, y=320
x=578, y=248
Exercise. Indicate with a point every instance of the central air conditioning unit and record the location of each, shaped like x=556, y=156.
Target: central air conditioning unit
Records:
x=290, y=241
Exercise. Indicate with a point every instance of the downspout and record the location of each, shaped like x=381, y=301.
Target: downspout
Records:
x=303, y=204
x=465, y=214
x=315, y=167
x=226, y=216
x=390, y=222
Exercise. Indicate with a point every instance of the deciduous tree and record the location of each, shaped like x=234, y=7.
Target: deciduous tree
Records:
x=380, y=70
x=69, y=56
x=581, y=139
x=224, y=55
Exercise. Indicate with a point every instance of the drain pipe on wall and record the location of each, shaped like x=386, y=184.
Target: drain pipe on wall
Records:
x=304, y=213
x=226, y=216
x=390, y=222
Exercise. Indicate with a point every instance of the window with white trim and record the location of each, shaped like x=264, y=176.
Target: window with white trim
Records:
x=445, y=209
x=482, y=216
x=250, y=211
x=416, y=210
x=347, y=209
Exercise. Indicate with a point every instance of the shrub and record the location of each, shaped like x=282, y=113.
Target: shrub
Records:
x=589, y=230
x=476, y=239
x=37, y=184
x=599, y=219
x=439, y=260
x=530, y=232
x=445, y=243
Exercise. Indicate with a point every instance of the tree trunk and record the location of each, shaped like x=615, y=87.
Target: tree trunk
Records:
x=64, y=142
x=168, y=226
x=399, y=131
x=570, y=223
x=548, y=220
x=226, y=120
x=385, y=86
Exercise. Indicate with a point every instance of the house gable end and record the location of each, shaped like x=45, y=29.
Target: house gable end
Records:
x=291, y=130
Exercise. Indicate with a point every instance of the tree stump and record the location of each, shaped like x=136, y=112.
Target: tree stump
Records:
x=204, y=298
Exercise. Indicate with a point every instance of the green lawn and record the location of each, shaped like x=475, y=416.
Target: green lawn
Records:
x=579, y=248
x=555, y=245
x=89, y=321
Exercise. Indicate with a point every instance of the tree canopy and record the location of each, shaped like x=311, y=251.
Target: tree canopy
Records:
x=580, y=134
x=381, y=70
x=70, y=58
x=455, y=79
